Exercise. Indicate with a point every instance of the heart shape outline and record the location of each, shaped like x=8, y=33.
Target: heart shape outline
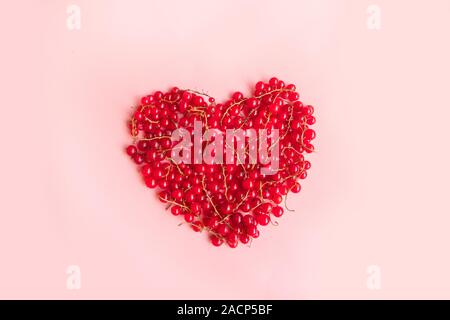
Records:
x=228, y=201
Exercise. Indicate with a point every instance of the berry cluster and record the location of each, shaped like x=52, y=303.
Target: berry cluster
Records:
x=229, y=201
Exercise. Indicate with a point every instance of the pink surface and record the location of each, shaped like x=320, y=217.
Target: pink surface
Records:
x=377, y=193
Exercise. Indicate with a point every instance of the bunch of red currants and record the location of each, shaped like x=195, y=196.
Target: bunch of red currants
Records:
x=230, y=201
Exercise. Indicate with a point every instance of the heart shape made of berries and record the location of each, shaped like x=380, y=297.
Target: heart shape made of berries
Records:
x=228, y=200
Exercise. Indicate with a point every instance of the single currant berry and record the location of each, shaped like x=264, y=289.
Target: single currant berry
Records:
x=310, y=120
x=197, y=226
x=236, y=219
x=296, y=188
x=223, y=229
x=138, y=158
x=190, y=196
x=265, y=207
x=212, y=222
x=176, y=210
x=186, y=96
x=246, y=206
x=248, y=220
x=177, y=194
x=277, y=211
x=307, y=165
x=309, y=147
x=232, y=244
x=252, y=103
x=293, y=96
x=150, y=182
x=277, y=198
x=228, y=207
x=158, y=173
x=260, y=86
x=146, y=170
x=216, y=241
x=131, y=150
x=244, y=238
x=145, y=101
x=309, y=134
x=291, y=87
x=274, y=108
x=273, y=82
x=252, y=231
x=293, y=169
x=189, y=217
x=197, y=100
x=232, y=237
x=296, y=124
x=138, y=116
x=164, y=196
x=237, y=96
x=195, y=208
x=263, y=219
x=308, y=110
x=142, y=145
x=158, y=95
x=163, y=184
x=248, y=184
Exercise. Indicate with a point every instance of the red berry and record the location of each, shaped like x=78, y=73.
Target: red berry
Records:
x=244, y=238
x=223, y=229
x=252, y=231
x=197, y=226
x=248, y=220
x=237, y=96
x=216, y=241
x=277, y=211
x=146, y=170
x=273, y=82
x=186, y=96
x=131, y=150
x=138, y=158
x=189, y=217
x=150, y=182
x=176, y=210
x=263, y=219
x=296, y=188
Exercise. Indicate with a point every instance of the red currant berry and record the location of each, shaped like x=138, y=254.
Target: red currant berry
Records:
x=176, y=210
x=277, y=211
x=263, y=219
x=197, y=226
x=216, y=241
x=189, y=217
x=244, y=238
x=131, y=150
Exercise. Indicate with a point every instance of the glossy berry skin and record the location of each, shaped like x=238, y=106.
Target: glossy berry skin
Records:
x=277, y=211
x=197, y=226
x=150, y=182
x=176, y=210
x=131, y=150
x=263, y=219
x=244, y=238
x=189, y=217
x=216, y=241
x=230, y=202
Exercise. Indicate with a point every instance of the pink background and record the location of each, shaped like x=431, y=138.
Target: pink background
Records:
x=377, y=193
